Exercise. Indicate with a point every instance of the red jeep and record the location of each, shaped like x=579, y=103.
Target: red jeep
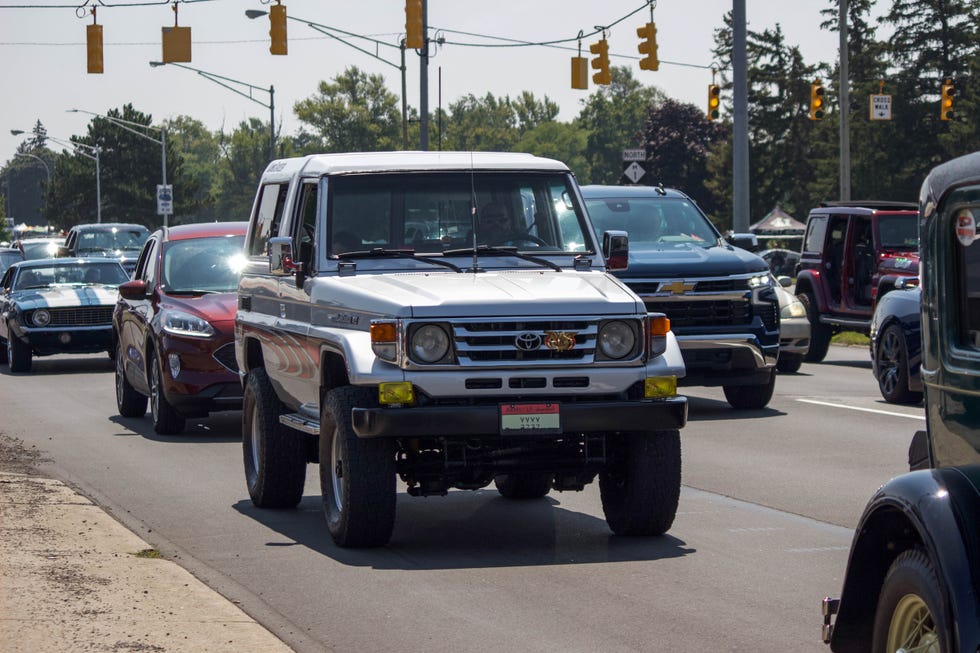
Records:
x=853, y=253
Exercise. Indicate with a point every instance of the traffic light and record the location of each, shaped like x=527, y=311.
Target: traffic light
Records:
x=946, y=102
x=176, y=44
x=277, y=29
x=601, y=62
x=580, y=73
x=414, y=25
x=648, y=46
x=93, y=45
x=714, y=101
x=816, y=101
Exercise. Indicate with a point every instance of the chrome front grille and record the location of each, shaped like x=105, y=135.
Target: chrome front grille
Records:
x=225, y=355
x=80, y=316
x=525, y=341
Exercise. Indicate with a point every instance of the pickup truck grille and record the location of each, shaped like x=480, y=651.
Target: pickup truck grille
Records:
x=525, y=341
x=695, y=313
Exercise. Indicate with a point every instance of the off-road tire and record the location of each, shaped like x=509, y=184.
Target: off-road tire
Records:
x=641, y=487
x=892, y=365
x=274, y=457
x=18, y=354
x=789, y=363
x=357, y=476
x=129, y=402
x=750, y=397
x=166, y=419
x=910, y=615
x=523, y=485
x=820, y=334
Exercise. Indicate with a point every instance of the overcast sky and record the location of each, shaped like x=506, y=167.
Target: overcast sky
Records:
x=44, y=61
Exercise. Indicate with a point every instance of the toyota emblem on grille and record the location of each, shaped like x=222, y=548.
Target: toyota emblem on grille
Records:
x=527, y=341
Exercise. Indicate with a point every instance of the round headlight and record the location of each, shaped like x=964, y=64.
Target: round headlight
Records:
x=794, y=308
x=429, y=343
x=616, y=339
x=41, y=318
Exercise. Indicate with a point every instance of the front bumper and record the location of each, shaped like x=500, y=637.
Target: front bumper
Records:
x=794, y=335
x=724, y=359
x=214, y=398
x=66, y=340
x=485, y=420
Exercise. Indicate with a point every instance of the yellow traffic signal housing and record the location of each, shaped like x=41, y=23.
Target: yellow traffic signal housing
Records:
x=648, y=46
x=93, y=45
x=714, y=101
x=176, y=44
x=816, y=101
x=600, y=63
x=414, y=25
x=946, y=100
x=580, y=73
x=277, y=29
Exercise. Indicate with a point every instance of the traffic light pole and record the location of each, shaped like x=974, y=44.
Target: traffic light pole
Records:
x=740, y=121
x=845, y=109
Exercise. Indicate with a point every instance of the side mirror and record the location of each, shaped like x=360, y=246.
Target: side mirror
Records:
x=616, y=250
x=62, y=252
x=281, y=262
x=784, y=281
x=133, y=290
x=904, y=283
x=747, y=241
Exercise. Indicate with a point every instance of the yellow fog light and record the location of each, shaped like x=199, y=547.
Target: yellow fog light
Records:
x=396, y=393
x=658, y=387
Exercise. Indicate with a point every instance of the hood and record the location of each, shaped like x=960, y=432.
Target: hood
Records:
x=68, y=296
x=484, y=294
x=215, y=308
x=690, y=260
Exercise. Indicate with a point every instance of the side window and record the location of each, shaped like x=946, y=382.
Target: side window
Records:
x=269, y=217
x=150, y=274
x=142, y=262
x=5, y=282
x=306, y=225
x=816, y=229
x=968, y=263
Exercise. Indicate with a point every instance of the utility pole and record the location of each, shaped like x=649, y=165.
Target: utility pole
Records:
x=845, y=108
x=424, y=81
x=740, y=121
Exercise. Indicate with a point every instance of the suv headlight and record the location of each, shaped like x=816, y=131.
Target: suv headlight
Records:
x=616, y=339
x=428, y=343
x=179, y=323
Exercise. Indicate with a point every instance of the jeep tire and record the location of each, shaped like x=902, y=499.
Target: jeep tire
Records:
x=275, y=460
x=523, y=485
x=641, y=487
x=751, y=397
x=129, y=402
x=820, y=333
x=357, y=476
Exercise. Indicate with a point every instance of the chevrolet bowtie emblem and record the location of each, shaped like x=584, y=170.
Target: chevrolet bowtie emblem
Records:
x=676, y=287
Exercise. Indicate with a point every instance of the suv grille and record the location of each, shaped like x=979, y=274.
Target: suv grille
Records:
x=524, y=341
x=81, y=316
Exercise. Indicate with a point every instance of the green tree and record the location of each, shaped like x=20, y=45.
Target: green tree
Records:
x=245, y=155
x=202, y=155
x=558, y=140
x=355, y=113
x=486, y=123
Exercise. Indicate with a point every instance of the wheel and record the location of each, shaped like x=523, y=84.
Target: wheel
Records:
x=129, y=402
x=275, y=460
x=642, y=486
x=750, y=397
x=18, y=354
x=789, y=363
x=820, y=334
x=893, y=368
x=357, y=477
x=166, y=420
x=909, y=613
x=3, y=352
x=523, y=485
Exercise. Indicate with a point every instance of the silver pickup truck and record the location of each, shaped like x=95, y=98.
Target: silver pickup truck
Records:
x=446, y=318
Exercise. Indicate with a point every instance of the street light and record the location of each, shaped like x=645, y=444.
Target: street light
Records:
x=122, y=124
x=220, y=80
x=77, y=147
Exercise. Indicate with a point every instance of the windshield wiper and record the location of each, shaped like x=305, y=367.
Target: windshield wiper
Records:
x=504, y=251
x=384, y=252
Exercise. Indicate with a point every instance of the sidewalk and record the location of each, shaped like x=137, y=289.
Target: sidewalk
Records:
x=72, y=578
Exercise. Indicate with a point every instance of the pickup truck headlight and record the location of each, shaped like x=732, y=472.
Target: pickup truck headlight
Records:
x=179, y=323
x=760, y=280
x=428, y=343
x=617, y=339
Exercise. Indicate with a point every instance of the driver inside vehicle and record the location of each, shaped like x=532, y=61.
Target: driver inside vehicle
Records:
x=495, y=226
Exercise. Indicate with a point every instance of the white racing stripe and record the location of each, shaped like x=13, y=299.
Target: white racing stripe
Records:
x=866, y=410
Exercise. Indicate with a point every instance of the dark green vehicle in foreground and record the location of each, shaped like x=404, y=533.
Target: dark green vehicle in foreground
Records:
x=913, y=577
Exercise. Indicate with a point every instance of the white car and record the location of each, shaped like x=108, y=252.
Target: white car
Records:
x=794, y=328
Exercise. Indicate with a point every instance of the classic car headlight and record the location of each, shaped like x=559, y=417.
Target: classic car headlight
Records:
x=793, y=309
x=41, y=318
x=429, y=343
x=616, y=339
x=179, y=323
x=760, y=280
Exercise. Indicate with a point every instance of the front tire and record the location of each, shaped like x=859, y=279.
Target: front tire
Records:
x=357, y=476
x=166, y=419
x=893, y=368
x=789, y=363
x=751, y=397
x=18, y=354
x=641, y=488
x=275, y=460
x=909, y=613
x=523, y=485
x=129, y=402
x=820, y=334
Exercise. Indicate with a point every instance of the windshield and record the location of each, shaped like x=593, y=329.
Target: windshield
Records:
x=111, y=274
x=40, y=249
x=429, y=213
x=653, y=221
x=898, y=231
x=114, y=239
x=203, y=265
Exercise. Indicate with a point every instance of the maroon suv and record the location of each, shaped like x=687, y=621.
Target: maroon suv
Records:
x=853, y=253
x=173, y=328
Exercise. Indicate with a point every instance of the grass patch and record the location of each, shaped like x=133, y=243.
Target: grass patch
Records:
x=850, y=339
x=148, y=553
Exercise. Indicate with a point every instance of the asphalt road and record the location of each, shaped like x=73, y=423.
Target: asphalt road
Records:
x=766, y=517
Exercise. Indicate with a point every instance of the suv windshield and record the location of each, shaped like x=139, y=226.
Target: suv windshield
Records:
x=203, y=265
x=112, y=239
x=429, y=213
x=898, y=231
x=653, y=221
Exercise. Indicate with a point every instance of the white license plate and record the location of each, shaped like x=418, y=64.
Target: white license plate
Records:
x=529, y=418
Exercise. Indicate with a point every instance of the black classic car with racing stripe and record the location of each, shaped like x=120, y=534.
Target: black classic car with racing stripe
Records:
x=54, y=306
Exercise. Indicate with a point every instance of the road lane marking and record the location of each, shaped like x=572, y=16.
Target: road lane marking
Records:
x=867, y=410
